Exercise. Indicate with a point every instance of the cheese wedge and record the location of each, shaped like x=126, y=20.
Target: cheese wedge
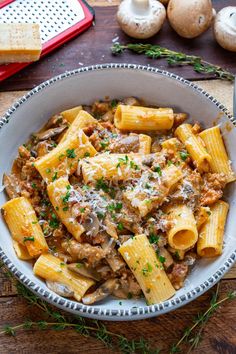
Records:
x=19, y=42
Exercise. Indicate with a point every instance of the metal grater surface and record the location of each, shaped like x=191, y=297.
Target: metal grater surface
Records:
x=53, y=16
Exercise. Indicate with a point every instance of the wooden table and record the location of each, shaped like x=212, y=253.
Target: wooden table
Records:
x=220, y=332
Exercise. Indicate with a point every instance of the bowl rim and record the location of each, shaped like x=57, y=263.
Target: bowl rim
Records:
x=115, y=314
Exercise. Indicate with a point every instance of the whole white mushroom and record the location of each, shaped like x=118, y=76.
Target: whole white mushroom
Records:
x=225, y=28
x=141, y=18
x=190, y=18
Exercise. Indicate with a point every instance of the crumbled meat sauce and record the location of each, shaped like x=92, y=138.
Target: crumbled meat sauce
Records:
x=110, y=210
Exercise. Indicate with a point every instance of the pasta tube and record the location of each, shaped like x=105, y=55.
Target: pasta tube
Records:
x=83, y=120
x=143, y=118
x=23, y=225
x=110, y=166
x=194, y=147
x=147, y=269
x=145, y=142
x=172, y=144
x=183, y=234
x=71, y=114
x=59, y=193
x=21, y=251
x=215, y=146
x=151, y=193
x=53, y=269
x=210, y=242
x=63, y=160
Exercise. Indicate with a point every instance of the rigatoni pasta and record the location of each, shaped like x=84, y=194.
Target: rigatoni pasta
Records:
x=210, y=242
x=118, y=199
x=183, y=234
x=23, y=224
x=194, y=146
x=148, y=270
x=143, y=118
x=220, y=162
x=52, y=269
x=60, y=192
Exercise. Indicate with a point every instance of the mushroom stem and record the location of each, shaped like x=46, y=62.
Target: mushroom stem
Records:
x=140, y=5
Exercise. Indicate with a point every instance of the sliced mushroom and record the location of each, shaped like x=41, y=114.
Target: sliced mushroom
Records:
x=50, y=133
x=91, y=224
x=60, y=289
x=102, y=292
x=125, y=144
x=11, y=184
x=113, y=258
x=131, y=101
x=54, y=121
x=225, y=28
x=83, y=270
x=110, y=227
x=141, y=18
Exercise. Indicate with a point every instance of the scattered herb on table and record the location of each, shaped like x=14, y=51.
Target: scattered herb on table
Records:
x=57, y=320
x=174, y=58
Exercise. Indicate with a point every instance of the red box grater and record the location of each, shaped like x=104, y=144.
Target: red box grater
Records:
x=59, y=20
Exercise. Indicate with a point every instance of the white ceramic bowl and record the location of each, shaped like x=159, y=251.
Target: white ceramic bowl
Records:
x=83, y=86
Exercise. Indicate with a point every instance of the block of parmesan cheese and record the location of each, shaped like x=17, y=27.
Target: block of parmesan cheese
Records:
x=19, y=42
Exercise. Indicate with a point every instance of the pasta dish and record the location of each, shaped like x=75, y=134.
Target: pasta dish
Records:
x=118, y=199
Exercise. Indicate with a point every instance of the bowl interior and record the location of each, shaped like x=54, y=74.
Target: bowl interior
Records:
x=116, y=82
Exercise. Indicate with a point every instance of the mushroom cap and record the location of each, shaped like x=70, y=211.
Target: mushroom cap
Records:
x=140, y=22
x=190, y=18
x=225, y=28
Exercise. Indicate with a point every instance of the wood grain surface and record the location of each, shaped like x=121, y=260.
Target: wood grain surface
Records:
x=93, y=47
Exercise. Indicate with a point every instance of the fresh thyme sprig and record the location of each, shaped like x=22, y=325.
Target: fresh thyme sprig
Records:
x=174, y=58
x=193, y=335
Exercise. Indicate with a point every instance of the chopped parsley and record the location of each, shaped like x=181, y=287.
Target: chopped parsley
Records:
x=65, y=208
x=169, y=163
x=70, y=153
x=157, y=169
x=184, y=155
x=65, y=198
x=48, y=170
x=122, y=161
x=176, y=255
x=130, y=295
x=33, y=185
x=79, y=265
x=100, y=215
x=29, y=238
x=54, y=177
x=134, y=165
x=114, y=103
x=153, y=238
x=34, y=222
x=104, y=143
x=161, y=259
x=101, y=184
x=61, y=156
x=115, y=206
x=62, y=264
x=82, y=210
x=208, y=212
x=146, y=270
x=120, y=226
x=85, y=187
x=87, y=154
x=54, y=222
